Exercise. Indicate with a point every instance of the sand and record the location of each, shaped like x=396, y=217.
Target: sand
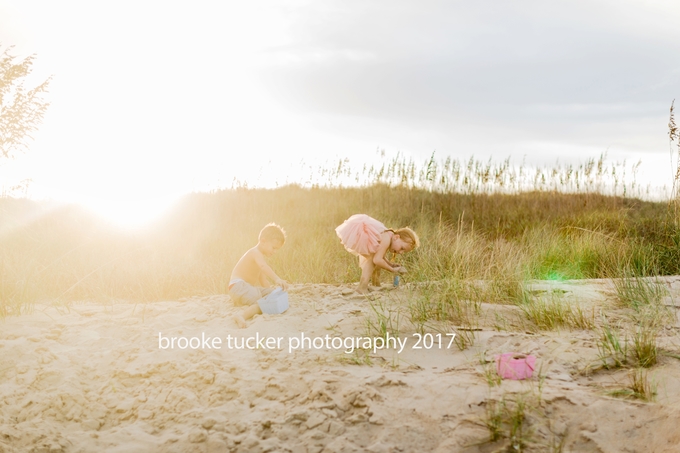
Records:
x=92, y=378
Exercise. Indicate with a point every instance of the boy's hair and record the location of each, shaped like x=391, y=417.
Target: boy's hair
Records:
x=272, y=232
x=409, y=236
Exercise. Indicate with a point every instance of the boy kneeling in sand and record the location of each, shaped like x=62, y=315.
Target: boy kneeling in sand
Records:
x=248, y=282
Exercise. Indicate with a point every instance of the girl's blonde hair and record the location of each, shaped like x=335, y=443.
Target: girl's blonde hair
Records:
x=409, y=236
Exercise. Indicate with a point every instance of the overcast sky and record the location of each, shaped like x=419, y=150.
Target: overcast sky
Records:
x=154, y=99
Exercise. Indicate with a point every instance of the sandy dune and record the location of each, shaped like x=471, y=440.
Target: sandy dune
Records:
x=92, y=378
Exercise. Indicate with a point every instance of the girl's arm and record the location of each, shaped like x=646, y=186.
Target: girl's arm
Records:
x=379, y=257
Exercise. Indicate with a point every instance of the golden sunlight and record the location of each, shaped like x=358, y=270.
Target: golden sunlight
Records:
x=339, y=226
x=130, y=214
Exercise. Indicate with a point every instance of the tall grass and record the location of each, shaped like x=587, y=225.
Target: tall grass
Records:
x=482, y=240
x=553, y=312
x=474, y=176
x=639, y=292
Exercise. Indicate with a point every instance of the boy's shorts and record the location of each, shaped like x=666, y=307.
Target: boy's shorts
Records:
x=243, y=293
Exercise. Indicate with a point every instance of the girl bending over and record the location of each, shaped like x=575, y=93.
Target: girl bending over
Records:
x=370, y=240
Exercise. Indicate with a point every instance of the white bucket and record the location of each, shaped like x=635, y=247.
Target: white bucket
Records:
x=275, y=302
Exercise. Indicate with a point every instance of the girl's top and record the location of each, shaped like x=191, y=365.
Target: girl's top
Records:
x=360, y=234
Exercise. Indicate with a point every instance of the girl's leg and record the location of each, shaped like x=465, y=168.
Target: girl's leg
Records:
x=367, y=268
x=375, y=278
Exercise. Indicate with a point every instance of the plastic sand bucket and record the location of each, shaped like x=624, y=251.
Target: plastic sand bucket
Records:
x=514, y=365
x=275, y=302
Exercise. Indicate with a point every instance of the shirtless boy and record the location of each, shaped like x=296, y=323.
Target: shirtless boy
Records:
x=250, y=278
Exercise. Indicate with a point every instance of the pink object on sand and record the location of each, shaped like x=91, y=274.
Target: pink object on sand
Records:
x=513, y=365
x=360, y=234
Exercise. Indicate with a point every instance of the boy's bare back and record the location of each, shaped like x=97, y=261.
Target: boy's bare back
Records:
x=253, y=267
x=249, y=268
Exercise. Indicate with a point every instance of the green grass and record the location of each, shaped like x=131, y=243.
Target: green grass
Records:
x=644, y=346
x=639, y=292
x=613, y=351
x=489, y=371
x=508, y=419
x=383, y=320
x=494, y=419
x=639, y=387
x=552, y=311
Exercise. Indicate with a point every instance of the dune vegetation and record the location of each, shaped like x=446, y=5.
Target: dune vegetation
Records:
x=478, y=221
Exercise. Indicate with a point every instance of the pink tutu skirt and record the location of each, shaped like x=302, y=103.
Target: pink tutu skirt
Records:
x=360, y=234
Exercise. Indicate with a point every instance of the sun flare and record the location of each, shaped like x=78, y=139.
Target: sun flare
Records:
x=130, y=213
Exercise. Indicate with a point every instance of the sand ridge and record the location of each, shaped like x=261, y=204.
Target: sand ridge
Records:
x=91, y=377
